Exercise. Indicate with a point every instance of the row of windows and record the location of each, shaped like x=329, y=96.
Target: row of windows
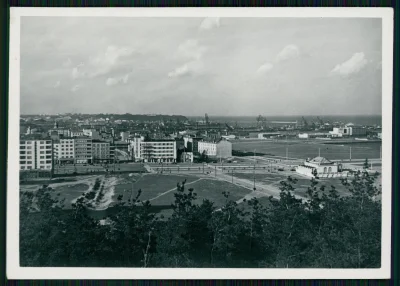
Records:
x=31, y=162
x=30, y=167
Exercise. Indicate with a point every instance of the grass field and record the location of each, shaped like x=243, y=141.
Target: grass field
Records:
x=208, y=189
x=308, y=150
x=301, y=185
x=151, y=185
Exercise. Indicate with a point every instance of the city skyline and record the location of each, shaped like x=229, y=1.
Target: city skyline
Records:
x=281, y=66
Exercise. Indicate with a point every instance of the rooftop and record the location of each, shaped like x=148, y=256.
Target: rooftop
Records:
x=320, y=160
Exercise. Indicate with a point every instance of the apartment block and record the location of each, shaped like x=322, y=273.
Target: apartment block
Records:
x=101, y=151
x=83, y=150
x=155, y=150
x=36, y=155
x=64, y=150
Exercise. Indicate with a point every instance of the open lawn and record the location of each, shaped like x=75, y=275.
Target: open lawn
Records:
x=310, y=150
x=208, y=189
x=151, y=185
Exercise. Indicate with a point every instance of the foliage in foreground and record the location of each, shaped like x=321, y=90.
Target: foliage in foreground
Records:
x=325, y=230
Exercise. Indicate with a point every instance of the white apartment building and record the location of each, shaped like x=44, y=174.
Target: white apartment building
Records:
x=158, y=151
x=221, y=148
x=35, y=155
x=64, y=150
x=210, y=148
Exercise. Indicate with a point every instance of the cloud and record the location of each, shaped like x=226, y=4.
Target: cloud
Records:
x=179, y=71
x=191, y=49
x=67, y=63
x=209, y=23
x=288, y=52
x=190, y=68
x=356, y=63
x=265, y=68
x=75, y=88
x=114, y=81
x=77, y=71
x=57, y=84
x=103, y=63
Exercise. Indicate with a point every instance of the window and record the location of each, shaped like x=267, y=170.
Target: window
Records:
x=22, y=157
x=22, y=142
x=28, y=152
x=21, y=147
x=29, y=167
x=48, y=162
x=21, y=152
x=41, y=147
x=28, y=147
x=29, y=157
x=22, y=168
x=22, y=162
x=41, y=152
x=41, y=157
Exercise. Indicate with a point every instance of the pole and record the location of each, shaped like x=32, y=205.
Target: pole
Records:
x=287, y=157
x=371, y=166
x=254, y=178
x=350, y=153
x=203, y=167
x=380, y=153
x=232, y=176
x=319, y=152
x=215, y=170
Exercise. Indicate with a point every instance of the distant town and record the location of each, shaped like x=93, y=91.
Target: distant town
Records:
x=48, y=142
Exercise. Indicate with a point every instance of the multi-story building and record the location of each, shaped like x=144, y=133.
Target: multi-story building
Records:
x=101, y=151
x=64, y=150
x=83, y=150
x=221, y=148
x=157, y=150
x=36, y=155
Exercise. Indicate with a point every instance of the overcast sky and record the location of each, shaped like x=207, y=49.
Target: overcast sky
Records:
x=192, y=66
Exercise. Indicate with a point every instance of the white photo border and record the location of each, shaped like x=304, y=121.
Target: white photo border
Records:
x=14, y=271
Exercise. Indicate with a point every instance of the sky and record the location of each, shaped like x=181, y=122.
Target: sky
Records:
x=192, y=66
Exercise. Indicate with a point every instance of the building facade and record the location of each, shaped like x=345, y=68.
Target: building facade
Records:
x=36, y=155
x=319, y=166
x=64, y=151
x=220, y=149
x=158, y=151
x=83, y=150
x=101, y=152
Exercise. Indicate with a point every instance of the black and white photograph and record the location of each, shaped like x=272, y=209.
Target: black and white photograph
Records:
x=199, y=143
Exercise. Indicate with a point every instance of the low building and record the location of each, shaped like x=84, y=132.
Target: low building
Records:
x=303, y=136
x=92, y=133
x=318, y=166
x=265, y=135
